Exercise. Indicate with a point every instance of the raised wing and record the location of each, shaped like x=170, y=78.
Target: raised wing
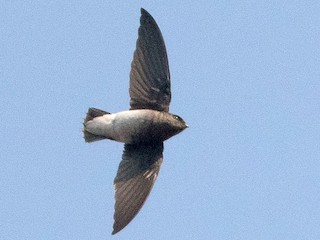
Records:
x=136, y=175
x=149, y=76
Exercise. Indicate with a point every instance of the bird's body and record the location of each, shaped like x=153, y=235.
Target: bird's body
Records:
x=135, y=126
x=143, y=128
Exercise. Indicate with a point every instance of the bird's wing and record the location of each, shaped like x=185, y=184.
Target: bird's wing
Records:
x=149, y=76
x=136, y=175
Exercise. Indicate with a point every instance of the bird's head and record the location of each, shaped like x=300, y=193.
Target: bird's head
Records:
x=178, y=123
x=171, y=125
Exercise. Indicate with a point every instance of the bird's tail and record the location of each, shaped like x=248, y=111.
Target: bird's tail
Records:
x=91, y=114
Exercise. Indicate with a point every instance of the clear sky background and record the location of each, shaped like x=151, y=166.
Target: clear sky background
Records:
x=245, y=77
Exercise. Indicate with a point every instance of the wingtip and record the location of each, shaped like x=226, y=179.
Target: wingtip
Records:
x=116, y=229
x=144, y=12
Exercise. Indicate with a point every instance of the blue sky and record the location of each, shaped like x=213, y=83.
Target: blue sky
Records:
x=245, y=77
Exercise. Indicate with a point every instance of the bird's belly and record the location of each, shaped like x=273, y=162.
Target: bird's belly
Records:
x=132, y=126
x=127, y=126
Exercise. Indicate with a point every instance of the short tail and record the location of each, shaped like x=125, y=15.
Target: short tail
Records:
x=91, y=114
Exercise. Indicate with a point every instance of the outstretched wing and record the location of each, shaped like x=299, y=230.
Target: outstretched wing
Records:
x=149, y=76
x=136, y=175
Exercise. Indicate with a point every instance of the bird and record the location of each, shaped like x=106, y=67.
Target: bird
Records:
x=143, y=128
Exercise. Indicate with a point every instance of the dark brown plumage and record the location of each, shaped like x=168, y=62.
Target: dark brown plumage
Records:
x=149, y=76
x=143, y=128
x=136, y=175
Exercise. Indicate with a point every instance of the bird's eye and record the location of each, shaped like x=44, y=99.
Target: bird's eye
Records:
x=177, y=117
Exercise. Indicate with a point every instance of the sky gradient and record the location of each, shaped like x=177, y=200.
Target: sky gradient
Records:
x=245, y=76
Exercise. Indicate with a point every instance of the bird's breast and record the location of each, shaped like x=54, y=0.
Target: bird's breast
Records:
x=133, y=126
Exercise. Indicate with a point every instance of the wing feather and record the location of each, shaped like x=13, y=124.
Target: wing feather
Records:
x=136, y=175
x=149, y=76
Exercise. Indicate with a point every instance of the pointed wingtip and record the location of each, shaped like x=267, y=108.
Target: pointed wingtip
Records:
x=144, y=12
x=116, y=229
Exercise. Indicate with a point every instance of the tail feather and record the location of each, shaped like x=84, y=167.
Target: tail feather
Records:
x=94, y=112
x=91, y=114
x=89, y=137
